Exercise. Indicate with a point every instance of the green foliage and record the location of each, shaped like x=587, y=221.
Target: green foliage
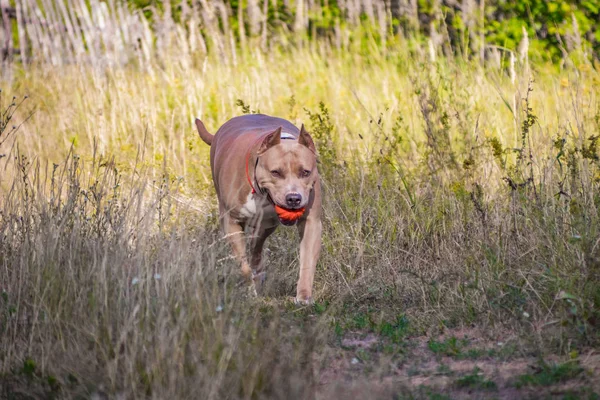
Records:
x=551, y=26
x=449, y=347
x=245, y=108
x=581, y=393
x=549, y=374
x=550, y=21
x=29, y=367
x=322, y=131
x=476, y=380
x=395, y=330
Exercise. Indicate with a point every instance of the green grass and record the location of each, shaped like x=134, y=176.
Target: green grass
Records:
x=549, y=374
x=585, y=393
x=392, y=330
x=449, y=347
x=460, y=349
x=443, y=369
x=475, y=380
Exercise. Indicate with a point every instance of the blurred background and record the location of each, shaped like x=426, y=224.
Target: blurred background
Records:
x=63, y=32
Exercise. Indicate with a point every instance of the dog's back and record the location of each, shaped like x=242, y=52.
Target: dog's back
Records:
x=235, y=137
x=251, y=125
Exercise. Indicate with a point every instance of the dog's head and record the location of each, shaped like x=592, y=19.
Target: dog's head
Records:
x=287, y=169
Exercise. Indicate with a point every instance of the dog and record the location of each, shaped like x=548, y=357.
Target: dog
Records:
x=265, y=174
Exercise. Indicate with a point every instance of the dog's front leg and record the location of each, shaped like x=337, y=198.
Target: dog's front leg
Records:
x=310, y=248
x=234, y=232
x=256, y=250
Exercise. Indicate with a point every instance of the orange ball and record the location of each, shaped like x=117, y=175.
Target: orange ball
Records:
x=289, y=215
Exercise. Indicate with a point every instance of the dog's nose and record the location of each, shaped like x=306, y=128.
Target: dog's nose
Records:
x=293, y=199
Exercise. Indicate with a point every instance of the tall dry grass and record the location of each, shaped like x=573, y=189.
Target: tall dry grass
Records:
x=456, y=194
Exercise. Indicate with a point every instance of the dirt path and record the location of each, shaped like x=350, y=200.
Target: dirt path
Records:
x=462, y=364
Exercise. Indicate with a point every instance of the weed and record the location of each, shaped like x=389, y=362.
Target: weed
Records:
x=475, y=380
x=583, y=393
x=445, y=370
x=439, y=396
x=245, y=108
x=395, y=331
x=322, y=130
x=550, y=374
x=29, y=368
x=8, y=126
x=450, y=347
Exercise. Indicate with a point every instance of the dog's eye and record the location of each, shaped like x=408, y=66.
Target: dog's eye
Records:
x=276, y=173
x=305, y=173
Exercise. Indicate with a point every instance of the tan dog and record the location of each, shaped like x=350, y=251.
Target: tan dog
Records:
x=260, y=164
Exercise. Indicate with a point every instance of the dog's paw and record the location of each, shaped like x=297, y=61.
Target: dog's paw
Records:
x=252, y=293
x=303, y=301
x=259, y=277
x=258, y=282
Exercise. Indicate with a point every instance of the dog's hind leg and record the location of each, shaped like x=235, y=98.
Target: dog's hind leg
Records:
x=256, y=250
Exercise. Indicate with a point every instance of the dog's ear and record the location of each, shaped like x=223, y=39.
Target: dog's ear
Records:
x=305, y=139
x=272, y=139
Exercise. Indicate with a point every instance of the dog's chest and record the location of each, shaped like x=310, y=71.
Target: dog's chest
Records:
x=255, y=207
x=249, y=209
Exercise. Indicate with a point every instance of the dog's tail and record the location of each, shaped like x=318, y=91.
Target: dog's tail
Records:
x=204, y=134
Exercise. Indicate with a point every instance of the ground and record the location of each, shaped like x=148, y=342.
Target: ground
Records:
x=461, y=364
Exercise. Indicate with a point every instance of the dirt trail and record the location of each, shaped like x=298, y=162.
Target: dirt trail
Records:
x=462, y=364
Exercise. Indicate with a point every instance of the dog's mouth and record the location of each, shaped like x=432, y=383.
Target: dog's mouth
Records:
x=288, y=216
x=287, y=222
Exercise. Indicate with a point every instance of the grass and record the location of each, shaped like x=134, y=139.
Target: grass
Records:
x=449, y=347
x=475, y=380
x=393, y=330
x=460, y=349
x=548, y=374
x=454, y=197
